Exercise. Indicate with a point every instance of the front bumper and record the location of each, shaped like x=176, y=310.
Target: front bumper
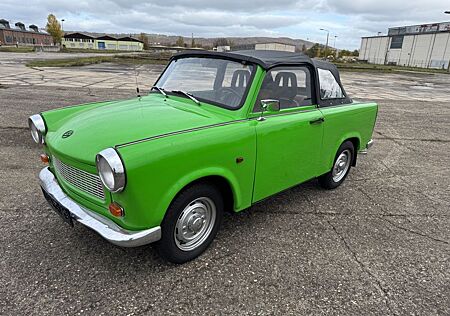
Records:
x=369, y=144
x=102, y=225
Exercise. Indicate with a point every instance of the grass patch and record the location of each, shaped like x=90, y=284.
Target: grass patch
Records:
x=83, y=61
x=13, y=49
x=363, y=67
x=91, y=50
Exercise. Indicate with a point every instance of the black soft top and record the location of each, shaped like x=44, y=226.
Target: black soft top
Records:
x=265, y=58
x=268, y=59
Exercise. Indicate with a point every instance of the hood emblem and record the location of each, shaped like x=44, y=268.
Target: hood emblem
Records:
x=67, y=134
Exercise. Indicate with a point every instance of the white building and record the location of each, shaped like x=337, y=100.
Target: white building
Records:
x=275, y=46
x=223, y=48
x=425, y=46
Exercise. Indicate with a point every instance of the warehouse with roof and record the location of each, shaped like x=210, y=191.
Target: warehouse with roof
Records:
x=19, y=35
x=425, y=46
x=102, y=42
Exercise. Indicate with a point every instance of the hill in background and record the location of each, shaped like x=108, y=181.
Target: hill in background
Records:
x=171, y=40
x=235, y=41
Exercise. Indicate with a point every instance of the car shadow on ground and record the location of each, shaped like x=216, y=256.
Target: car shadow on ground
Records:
x=235, y=228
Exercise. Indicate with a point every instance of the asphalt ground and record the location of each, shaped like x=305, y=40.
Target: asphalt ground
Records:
x=377, y=245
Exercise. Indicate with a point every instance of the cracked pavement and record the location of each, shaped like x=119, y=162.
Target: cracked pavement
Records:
x=378, y=245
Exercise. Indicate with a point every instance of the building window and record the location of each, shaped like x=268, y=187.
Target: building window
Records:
x=397, y=42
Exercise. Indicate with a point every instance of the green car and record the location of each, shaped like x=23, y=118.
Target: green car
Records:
x=217, y=132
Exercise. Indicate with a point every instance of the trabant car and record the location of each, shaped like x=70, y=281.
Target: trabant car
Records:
x=217, y=132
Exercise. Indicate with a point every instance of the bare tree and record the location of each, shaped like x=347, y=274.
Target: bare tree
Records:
x=144, y=38
x=221, y=42
x=180, y=42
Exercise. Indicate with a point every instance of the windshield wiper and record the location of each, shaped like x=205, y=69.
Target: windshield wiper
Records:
x=160, y=90
x=190, y=96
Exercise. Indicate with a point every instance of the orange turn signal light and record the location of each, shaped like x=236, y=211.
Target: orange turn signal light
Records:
x=116, y=210
x=44, y=158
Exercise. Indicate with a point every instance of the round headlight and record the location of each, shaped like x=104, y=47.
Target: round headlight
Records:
x=37, y=128
x=111, y=170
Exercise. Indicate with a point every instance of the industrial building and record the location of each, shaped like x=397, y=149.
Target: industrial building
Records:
x=20, y=36
x=425, y=46
x=275, y=46
x=266, y=46
x=87, y=41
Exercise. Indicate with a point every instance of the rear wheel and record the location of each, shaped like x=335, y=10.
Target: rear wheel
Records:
x=341, y=167
x=191, y=223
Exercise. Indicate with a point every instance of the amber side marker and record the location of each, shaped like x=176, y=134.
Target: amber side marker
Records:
x=44, y=158
x=116, y=210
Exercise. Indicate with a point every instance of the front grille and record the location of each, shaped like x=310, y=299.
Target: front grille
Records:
x=82, y=180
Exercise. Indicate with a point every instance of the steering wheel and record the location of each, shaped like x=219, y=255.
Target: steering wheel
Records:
x=229, y=95
x=292, y=103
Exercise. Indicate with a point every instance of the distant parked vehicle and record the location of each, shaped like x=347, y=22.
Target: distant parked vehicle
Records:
x=218, y=131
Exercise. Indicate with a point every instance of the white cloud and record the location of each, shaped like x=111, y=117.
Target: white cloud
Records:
x=349, y=19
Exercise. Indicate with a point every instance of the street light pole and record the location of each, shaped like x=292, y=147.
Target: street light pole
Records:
x=334, y=45
x=447, y=12
x=62, y=24
x=326, y=45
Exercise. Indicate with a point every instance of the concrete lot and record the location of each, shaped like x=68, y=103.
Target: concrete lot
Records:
x=378, y=245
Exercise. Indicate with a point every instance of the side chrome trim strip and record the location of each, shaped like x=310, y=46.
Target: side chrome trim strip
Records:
x=206, y=127
x=179, y=132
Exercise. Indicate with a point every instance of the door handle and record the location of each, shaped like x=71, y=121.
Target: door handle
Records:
x=317, y=121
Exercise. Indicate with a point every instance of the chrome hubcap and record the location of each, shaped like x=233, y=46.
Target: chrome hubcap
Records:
x=341, y=165
x=195, y=224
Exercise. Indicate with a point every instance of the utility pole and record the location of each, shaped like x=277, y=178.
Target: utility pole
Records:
x=335, y=48
x=326, y=45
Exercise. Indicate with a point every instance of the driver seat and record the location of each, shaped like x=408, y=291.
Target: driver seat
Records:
x=286, y=84
x=240, y=79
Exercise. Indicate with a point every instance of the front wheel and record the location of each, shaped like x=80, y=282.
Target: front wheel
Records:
x=191, y=223
x=341, y=167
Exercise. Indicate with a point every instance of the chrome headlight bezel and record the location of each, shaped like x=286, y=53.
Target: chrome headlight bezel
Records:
x=111, y=170
x=37, y=128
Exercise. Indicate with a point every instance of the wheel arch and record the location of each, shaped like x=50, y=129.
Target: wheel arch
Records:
x=356, y=146
x=225, y=181
x=355, y=139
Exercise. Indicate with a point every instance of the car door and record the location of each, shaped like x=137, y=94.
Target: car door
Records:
x=289, y=140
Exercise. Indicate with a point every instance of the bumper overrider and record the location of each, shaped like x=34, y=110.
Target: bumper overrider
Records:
x=368, y=145
x=102, y=225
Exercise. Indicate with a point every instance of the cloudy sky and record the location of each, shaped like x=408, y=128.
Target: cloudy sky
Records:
x=348, y=19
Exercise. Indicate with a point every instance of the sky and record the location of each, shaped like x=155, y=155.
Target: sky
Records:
x=346, y=19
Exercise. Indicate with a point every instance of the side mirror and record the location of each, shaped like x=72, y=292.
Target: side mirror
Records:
x=270, y=105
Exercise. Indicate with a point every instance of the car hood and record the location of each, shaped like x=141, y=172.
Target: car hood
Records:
x=82, y=135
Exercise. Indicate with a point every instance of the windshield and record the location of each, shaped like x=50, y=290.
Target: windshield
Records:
x=218, y=81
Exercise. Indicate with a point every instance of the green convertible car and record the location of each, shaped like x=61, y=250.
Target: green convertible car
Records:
x=217, y=132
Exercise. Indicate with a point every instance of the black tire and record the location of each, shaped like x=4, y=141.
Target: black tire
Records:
x=328, y=181
x=169, y=245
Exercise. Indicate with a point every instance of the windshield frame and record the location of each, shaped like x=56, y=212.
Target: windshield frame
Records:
x=207, y=101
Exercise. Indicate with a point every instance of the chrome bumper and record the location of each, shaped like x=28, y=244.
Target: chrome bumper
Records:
x=364, y=151
x=102, y=225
